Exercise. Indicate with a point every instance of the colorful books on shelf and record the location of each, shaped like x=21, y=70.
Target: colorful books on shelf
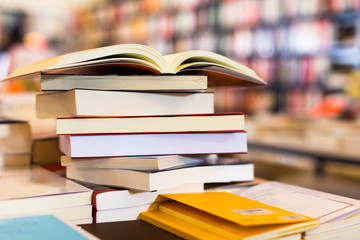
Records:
x=15, y=143
x=33, y=189
x=221, y=215
x=41, y=227
x=156, y=180
x=136, y=59
x=82, y=103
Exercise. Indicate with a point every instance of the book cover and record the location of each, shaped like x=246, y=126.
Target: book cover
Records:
x=40, y=227
x=225, y=215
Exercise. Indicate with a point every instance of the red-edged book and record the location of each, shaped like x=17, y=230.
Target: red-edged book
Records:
x=147, y=144
x=217, y=122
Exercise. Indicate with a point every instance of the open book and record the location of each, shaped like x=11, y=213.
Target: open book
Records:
x=136, y=59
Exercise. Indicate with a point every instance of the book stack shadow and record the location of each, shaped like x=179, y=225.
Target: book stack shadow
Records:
x=131, y=122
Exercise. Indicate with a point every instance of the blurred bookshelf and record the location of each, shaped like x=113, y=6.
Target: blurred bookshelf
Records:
x=294, y=45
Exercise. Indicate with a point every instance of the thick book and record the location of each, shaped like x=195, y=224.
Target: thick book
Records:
x=136, y=59
x=115, y=145
x=169, y=83
x=158, y=180
x=134, y=163
x=15, y=137
x=222, y=215
x=134, y=230
x=34, y=189
x=218, y=122
x=80, y=102
x=40, y=227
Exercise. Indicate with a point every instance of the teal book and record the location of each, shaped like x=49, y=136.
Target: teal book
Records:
x=40, y=227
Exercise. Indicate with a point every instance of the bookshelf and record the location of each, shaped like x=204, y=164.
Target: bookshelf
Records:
x=294, y=45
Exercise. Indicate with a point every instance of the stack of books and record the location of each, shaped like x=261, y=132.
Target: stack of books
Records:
x=129, y=117
x=35, y=190
x=15, y=143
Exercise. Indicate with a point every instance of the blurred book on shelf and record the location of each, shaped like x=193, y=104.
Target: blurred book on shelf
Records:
x=15, y=143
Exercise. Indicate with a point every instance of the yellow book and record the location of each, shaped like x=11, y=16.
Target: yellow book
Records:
x=225, y=215
x=137, y=59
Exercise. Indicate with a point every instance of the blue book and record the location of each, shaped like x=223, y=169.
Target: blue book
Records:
x=40, y=227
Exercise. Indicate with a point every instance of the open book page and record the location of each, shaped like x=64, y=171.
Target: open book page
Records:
x=195, y=58
x=134, y=51
x=320, y=205
x=34, y=68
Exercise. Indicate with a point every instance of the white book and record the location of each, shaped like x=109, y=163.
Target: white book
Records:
x=79, y=102
x=150, y=181
x=82, y=146
x=121, y=214
x=107, y=198
x=32, y=189
x=61, y=82
x=134, y=163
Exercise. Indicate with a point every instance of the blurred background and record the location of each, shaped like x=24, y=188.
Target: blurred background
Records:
x=303, y=126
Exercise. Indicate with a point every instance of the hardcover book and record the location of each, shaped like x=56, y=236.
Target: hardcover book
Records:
x=40, y=227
